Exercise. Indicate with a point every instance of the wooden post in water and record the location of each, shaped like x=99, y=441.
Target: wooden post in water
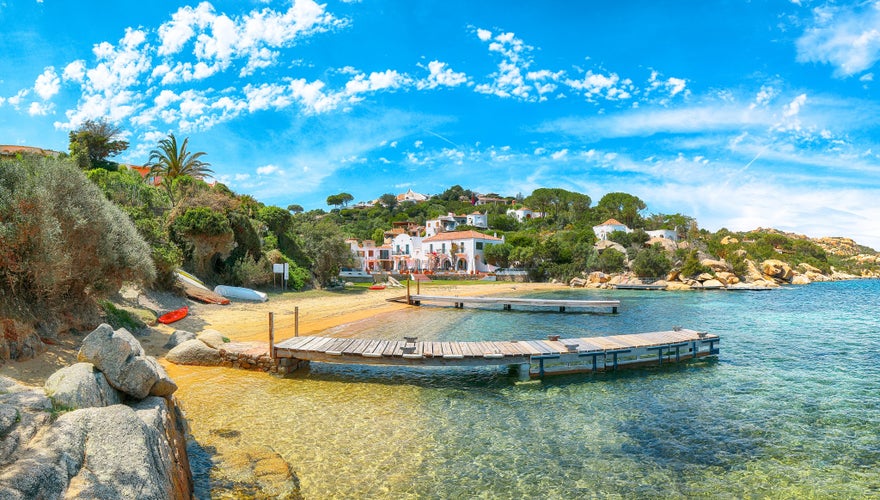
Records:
x=272, y=335
x=296, y=321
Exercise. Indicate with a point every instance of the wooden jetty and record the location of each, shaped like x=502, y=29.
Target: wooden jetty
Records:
x=529, y=358
x=508, y=302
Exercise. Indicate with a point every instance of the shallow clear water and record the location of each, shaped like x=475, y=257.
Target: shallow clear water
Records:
x=791, y=407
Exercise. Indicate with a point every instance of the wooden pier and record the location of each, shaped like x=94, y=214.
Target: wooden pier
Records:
x=506, y=302
x=530, y=358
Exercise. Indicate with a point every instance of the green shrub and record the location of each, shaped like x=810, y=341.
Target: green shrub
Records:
x=611, y=261
x=120, y=318
x=651, y=262
x=62, y=243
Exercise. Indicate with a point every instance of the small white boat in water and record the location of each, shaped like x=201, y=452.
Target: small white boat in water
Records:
x=241, y=293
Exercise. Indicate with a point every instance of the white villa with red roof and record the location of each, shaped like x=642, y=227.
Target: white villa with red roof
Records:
x=609, y=226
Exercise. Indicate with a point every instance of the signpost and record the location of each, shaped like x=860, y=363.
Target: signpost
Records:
x=284, y=271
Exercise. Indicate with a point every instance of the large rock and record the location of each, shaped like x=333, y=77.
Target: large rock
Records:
x=806, y=268
x=752, y=272
x=577, y=282
x=800, y=279
x=598, y=277
x=212, y=338
x=179, y=337
x=99, y=453
x=777, y=270
x=713, y=283
x=717, y=265
x=726, y=278
x=122, y=360
x=81, y=386
x=194, y=352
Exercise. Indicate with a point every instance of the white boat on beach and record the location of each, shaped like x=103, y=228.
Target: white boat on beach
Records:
x=241, y=293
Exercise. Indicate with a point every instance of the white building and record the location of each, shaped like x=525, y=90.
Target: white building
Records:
x=412, y=196
x=667, y=234
x=609, y=226
x=451, y=221
x=524, y=214
x=458, y=251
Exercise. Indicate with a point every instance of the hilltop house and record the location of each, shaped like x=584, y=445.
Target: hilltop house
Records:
x=411, y=195
x=524, y=213
x=451, y=221
x=609, y=226
x=667, y=234
x=146, y=174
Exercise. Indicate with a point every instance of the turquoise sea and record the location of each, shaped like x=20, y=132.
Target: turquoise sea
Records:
x=790, y=409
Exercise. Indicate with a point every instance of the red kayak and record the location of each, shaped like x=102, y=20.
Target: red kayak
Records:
x=174, y=315
x=377, y=287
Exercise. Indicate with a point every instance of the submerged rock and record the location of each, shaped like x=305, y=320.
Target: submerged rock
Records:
x=194, y=352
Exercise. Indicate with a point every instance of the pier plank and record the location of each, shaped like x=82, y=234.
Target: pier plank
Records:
x=487, y=353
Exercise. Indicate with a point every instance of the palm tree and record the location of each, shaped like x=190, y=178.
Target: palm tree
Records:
x=172, y=162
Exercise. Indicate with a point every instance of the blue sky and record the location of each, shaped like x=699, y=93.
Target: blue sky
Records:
x=741, y=114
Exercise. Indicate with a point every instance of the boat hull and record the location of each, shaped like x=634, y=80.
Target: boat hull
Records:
x=240, y=293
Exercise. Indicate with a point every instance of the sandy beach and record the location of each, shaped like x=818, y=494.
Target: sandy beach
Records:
x=319, y=310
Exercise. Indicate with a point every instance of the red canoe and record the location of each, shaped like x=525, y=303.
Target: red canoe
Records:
x=174, y=315
x=377, y=287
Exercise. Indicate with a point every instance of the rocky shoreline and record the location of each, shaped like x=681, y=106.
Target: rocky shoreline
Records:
x=106, y=427
x=770, y=273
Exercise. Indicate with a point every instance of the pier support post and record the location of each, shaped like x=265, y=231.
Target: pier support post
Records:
x=272, y=335
x=521, y=371
x=296, y=321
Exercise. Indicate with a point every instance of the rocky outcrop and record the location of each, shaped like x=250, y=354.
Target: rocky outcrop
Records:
x=23, y=412
x=777, y=270
x=81, y=386
x=120, y=357
x=717, y=265
x=577, y=283
x=105, y=451
x=194, y=352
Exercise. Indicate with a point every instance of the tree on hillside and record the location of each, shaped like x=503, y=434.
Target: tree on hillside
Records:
x=622, y=206
x=297, y=209
x=93, y=142
x=172, y=161
x=339, y=200
x=388, y=200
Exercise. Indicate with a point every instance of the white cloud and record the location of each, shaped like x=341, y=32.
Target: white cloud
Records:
x=441, y=75
x=389, y=79
x=48, y=84
x=484, y=35
x=268, y=170
x=559, y=155
x=794, y=107
x=74, y=71
x=846, y=37
x=867, y=77
x=39, y=108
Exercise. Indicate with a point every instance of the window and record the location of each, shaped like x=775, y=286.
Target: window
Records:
x=479, y=245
